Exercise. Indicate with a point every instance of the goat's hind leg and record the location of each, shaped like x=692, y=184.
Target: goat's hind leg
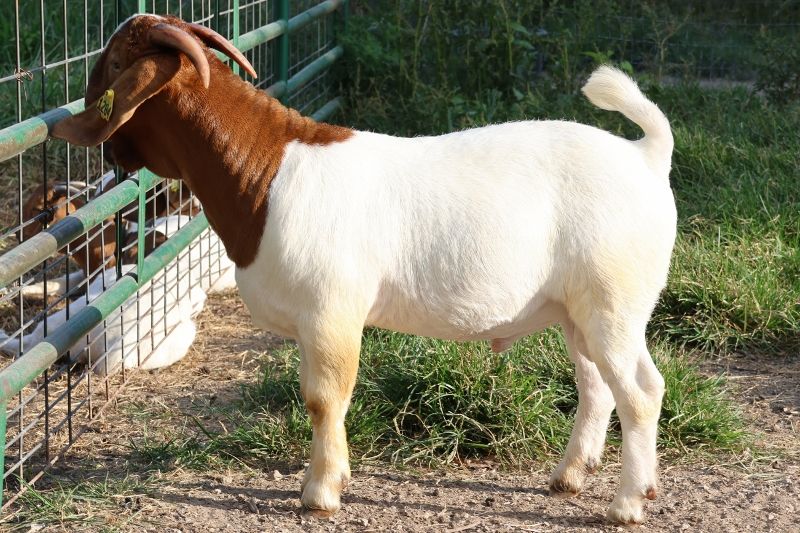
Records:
x=595, y=403
x=619, y=351
x=328, y=367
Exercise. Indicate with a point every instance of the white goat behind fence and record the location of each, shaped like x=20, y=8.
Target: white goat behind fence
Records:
x=155, y=327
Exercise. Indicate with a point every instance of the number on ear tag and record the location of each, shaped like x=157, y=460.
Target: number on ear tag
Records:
x=106, y=104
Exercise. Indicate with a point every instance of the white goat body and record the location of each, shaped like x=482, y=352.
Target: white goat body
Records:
x=491, y=233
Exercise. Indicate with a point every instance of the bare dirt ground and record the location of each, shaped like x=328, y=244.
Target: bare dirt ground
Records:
x=734, y=494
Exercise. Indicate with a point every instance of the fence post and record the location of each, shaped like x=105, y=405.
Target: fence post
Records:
x=146, y=179
x=3, y=415
x=283, y=48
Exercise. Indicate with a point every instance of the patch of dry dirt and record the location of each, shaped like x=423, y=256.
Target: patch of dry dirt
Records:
x=744, y=495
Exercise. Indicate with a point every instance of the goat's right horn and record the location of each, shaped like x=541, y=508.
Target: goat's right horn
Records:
x=173, y=37
x=218, y=42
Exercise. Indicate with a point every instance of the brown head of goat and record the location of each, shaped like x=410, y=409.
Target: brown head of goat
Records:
x=182, y=113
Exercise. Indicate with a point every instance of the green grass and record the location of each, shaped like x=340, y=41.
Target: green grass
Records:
x=421, y=401
x=698, y=413
x=97, y=505
x=735, y=280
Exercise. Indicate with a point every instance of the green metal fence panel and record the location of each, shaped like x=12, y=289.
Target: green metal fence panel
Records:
x=25, y=369
x=33, y=251
x=283, y=52
x=48, y=397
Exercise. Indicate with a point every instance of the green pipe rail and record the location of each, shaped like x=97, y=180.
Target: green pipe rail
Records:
x=24, y=135
x=30, y=253
x=18, y=374
x=29, y=133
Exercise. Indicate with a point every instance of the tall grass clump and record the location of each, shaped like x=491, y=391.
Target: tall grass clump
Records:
x=424, y=401
x=735, y=279
x=421, y=401
x=697, y=412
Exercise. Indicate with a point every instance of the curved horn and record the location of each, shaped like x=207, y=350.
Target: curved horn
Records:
x=218, y=42
x=172, y=37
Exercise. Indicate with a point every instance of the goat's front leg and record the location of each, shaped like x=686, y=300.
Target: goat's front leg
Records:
x=328, y=367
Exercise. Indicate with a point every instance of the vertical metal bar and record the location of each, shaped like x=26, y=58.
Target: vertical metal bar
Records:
x=21, y=312
x=235, y=15
x=44, y=263
x=68, y=247
x=216, y=24
x=283, y=47
x=119, y=175
x=3, y=414
x=141, y=219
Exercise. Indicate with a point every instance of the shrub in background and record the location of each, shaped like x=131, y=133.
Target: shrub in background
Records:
x=779, y=69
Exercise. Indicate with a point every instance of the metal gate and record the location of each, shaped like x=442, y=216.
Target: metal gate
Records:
x=77, y=305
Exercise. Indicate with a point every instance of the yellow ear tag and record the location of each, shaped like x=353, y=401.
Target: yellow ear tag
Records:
x=106, y=104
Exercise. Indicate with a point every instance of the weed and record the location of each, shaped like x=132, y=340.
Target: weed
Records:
x=103, y=504
x=422, y=401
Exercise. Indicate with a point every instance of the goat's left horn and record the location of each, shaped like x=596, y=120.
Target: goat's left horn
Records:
x=172, y=37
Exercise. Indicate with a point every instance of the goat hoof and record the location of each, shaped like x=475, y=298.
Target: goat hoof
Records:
x=316, y=513
x=567, y=481
x=563, y=489
x=320, y=499
x=626, y=511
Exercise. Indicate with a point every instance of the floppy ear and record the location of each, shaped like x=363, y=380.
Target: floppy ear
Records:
x=142, y=80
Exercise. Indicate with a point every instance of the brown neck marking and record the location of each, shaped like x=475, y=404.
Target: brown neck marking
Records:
x=227, y=144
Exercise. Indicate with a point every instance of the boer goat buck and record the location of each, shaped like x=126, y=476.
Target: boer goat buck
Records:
x=486, y=234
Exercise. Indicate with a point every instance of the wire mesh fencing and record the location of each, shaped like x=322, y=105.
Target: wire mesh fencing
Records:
x=136, y=243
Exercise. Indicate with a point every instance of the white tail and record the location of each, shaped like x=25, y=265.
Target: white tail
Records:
x=611, y=89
